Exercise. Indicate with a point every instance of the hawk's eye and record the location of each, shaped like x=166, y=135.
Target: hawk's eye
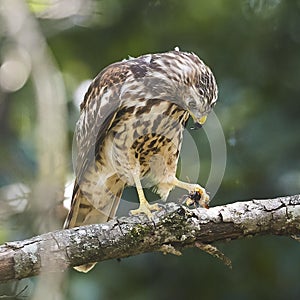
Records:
x=192, y=104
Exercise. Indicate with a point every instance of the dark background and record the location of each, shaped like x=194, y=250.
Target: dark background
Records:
x=253, y=48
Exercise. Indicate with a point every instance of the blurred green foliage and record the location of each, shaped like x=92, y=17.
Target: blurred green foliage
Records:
x=253, y=47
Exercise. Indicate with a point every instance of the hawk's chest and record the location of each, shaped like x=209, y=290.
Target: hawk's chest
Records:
x=149, y=136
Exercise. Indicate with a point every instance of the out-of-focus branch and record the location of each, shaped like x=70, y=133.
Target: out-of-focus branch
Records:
x=23, y=32
x=173, y=228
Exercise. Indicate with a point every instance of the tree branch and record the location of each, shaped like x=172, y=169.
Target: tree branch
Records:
x=173, y=228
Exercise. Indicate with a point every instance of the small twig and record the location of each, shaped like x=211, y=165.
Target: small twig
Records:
x=214, y=251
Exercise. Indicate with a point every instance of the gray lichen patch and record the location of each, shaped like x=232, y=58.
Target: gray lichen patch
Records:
x=26, y=260
x=270, y=205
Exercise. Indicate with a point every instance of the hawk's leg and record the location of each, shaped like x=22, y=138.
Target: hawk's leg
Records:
x=204, y=200
x=144, y=207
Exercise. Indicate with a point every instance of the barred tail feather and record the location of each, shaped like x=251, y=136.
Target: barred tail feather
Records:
x=84, y=212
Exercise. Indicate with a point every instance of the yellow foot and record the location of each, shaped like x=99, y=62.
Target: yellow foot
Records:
x=197, y=196
x=145, y=208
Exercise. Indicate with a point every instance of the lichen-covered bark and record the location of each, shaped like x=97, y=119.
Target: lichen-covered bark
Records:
x=172, y=229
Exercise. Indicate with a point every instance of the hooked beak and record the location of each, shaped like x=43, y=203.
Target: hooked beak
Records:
x=199, y=122
x=202, y=120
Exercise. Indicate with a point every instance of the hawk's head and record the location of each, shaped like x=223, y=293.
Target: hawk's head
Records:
x=200, y=90
x=182, y=78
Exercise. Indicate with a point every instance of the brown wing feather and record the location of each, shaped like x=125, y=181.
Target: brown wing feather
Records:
x=98, y=110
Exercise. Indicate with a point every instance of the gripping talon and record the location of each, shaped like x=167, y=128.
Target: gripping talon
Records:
x=197, y=194
x=197, y=197
x=145, y=208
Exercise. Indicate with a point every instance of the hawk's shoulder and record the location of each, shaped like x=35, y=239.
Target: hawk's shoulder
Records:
x=113, y=75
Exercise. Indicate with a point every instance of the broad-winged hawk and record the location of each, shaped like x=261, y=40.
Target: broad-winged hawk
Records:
x=130, y=132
